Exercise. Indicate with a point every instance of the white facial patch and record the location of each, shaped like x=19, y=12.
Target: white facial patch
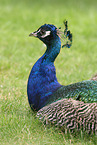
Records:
x=35, y=34
x=47, y=33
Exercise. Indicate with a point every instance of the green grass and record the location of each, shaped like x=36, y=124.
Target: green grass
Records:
x=18, y=52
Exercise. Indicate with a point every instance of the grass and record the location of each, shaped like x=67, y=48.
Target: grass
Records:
x=18, y=52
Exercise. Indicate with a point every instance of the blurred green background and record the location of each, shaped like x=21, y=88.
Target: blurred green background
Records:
x=18, y=53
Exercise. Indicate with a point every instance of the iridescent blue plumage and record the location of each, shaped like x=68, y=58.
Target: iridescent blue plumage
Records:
x=42, y=81
x=43, y=87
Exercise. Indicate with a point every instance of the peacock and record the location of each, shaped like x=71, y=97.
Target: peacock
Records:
x=70, y=107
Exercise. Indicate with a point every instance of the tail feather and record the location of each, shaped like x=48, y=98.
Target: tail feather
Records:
x=85, y=91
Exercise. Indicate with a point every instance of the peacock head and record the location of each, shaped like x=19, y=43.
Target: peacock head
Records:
x=46, y=33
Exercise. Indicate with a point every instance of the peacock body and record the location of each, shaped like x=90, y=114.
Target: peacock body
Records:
x=43, y=87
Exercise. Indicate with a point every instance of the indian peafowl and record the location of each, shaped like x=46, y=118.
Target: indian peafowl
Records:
x=43, y=87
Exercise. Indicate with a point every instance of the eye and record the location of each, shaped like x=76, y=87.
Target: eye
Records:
x=45, y=34
x=42, y=32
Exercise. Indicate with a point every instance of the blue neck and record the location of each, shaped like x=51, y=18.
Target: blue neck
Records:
x=52, y=51
x=42, y=80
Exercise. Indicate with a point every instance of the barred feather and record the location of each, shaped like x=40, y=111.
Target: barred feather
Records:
x=70, y=114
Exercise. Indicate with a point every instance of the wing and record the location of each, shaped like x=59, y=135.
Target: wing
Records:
x=69, y=114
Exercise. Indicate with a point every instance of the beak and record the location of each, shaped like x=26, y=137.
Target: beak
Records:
x=33, y=34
